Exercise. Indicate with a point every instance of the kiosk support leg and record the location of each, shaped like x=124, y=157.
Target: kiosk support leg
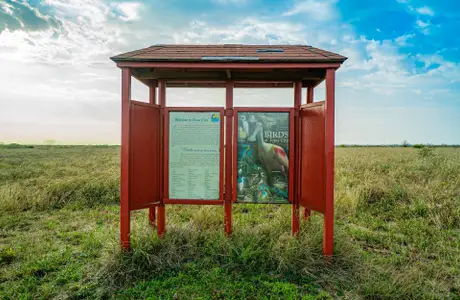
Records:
x=295, y=220
x=228, y=158
x=152, y=216
x=296, y=200
x=161, y=226
x=310, y=95
x=328, y=245
x=124, y=172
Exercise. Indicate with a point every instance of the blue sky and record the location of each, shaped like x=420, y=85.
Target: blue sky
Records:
x=401, y=81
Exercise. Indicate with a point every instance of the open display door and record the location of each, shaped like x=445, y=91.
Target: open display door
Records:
x=144, y=155
x=313, y=157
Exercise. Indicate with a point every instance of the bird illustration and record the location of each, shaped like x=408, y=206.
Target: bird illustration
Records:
x=280, y=189
x=242, y=135
x=271, y=156
x=245, y=124
x=245, y=154
x=243, y=129
x=251, y=125
x=242, y=183
x=263, y=192
x=266, y=121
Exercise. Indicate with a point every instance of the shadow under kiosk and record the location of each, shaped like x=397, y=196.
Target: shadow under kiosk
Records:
x=228, y=155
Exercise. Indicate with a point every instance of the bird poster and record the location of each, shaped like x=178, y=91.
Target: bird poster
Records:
x=263, y=162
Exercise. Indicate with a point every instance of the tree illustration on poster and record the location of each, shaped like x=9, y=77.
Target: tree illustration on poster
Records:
x=263, y=162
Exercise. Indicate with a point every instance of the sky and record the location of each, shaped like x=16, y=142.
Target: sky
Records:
x=401, y=81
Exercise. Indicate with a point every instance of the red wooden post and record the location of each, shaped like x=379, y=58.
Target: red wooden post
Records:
x=328, y=245
x=161, y=208
x=310, y=94
x=295, y=204
x=152, y=216
x=228, y=158
x=152, y=100
x=153, y=91
x=124, y=172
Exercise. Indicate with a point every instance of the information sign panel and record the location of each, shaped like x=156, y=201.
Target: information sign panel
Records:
x=262, y=158
x=194, y=155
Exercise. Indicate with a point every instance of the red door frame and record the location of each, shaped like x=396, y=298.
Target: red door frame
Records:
x=166, y=199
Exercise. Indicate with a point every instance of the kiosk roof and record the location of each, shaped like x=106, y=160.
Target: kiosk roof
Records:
x=231, y=52
x=246, y=65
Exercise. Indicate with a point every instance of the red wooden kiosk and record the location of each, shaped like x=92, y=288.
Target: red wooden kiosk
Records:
x=146, y=128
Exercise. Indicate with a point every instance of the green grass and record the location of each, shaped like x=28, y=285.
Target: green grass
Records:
x=397, y=234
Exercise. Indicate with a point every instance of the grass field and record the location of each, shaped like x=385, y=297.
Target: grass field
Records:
x=397, y=234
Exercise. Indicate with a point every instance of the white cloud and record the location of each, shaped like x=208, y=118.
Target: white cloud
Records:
x=250, y=31
x=93, y=10
x=402, y=40
x=235, y=2
x=317, y=10
x=379, y=68
x=70, y=79
x=7, y=8
x=375, y=66
x=425, y=10
x=129, y=11
x=51, y=74
x=422, y=24
x=84, y=36
x=440, y=68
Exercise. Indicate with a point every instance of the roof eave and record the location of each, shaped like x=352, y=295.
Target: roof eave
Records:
x=325, y=60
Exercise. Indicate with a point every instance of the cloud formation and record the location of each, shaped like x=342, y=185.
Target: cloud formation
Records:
x=320, y=10
x=425, y=10
x=54, y=56
x=128, y=11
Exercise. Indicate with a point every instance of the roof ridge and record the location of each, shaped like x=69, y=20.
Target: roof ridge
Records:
x=223, y=45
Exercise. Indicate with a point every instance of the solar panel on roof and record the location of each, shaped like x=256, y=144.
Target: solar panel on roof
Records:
x=229, y=58
x=269, y=50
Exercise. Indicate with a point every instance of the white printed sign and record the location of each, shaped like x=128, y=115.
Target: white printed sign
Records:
x=194, y=151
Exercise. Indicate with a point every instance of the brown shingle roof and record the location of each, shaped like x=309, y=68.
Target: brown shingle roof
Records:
x=231, y=52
